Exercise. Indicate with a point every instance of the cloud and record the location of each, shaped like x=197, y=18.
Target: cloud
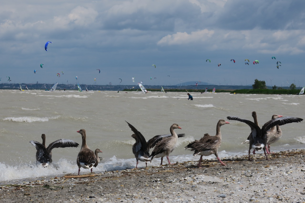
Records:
x=185, y=38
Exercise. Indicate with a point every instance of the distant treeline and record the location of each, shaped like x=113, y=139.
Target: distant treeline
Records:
x=241, y=91
x=266, y=91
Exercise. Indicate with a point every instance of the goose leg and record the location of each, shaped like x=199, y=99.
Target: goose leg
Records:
x=161, y=161
x=265, y=152
x=220, y=160
x=168, y=160
x=199, y=164
x=249, y=156
x=137, y=164
x=78, y=170
x=91, y=170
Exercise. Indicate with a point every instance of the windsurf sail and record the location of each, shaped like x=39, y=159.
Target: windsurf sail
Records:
x=142, y=87
x=302, y=91
x=162, y=90
x=79, y=88
x=206, y=90
x=214, y=90
x=54, y=87
x=27, y=87
x=20, y=88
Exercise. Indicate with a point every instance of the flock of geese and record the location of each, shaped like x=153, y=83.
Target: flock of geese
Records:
x=259, y=138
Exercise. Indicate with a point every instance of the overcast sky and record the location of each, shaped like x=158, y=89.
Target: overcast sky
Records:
x=123, y=38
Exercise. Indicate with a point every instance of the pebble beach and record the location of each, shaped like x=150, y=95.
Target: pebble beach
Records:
x=280, y=179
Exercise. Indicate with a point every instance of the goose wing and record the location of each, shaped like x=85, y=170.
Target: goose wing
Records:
x=280, y=121
x=254, y=128
x=139, y=136
x=154, y=140
x=62, y=143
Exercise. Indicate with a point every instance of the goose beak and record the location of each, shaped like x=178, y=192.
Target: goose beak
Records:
x=179, y=127
x=227, y=122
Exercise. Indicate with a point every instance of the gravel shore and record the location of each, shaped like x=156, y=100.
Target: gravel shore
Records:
x=280, y=179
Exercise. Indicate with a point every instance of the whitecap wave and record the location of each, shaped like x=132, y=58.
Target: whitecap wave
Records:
x=29, y=119
x=66, y=96
x=205, y=105
x=28, y=109
x=294, y=104
x=300, y=139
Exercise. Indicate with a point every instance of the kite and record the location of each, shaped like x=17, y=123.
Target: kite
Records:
x=273, y=57
x=208, y=60
x=247, y=60
x=219, y=64
x=233, y=60
x=132, y=79
x=121, y=80
x=46, y=45
x=76, y=77
x=154, y=65
x=58, y=74
x=99, y=70
x=34, y=71
x=41, y=65
x=247, y=63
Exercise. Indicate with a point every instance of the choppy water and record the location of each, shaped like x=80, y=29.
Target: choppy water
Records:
x=25, y=115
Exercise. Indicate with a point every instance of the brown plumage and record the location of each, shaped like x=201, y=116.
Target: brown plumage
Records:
x=166, y=145
x=98, y=160
x=86, y=157
x=208, y=144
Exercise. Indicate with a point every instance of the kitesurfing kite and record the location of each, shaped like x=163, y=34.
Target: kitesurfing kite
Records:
x=150, y=78
x=255, y=62
x=219, y=64
x=278, y=66
x=233, y=60
x=132, y=79
x=273, y=57
x=154, y=65
x=8, y=78
x=46, y=45
x=62, y=72
x=99, y=70
x=278, y=62
x=247, y=63
x=121, y=80
x=168, y=75
x=94, y=79
x=58, y=74
x=247, y=60
x=41, y=65
x=76, y=77
x=34, y=71
x=208, y=60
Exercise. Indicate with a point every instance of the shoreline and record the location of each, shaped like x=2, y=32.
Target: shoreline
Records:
x=277, y=179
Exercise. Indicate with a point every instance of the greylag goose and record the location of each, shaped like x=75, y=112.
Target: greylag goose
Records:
x=208, y=144
x=86, y=157
x=274, y=133
x=166, y=145
x=44, y=154
x=141, y=148
x=98, y=159
x=258, y=139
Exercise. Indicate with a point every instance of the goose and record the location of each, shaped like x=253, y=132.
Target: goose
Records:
x=86, y=157
x=98, y=159
x=166, y=145
x=141, y=148
x=274, y=133
x=258, y=139
x=208, y=144
x=44, y=154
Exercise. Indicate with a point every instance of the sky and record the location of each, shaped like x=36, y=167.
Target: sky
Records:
x=124, y=38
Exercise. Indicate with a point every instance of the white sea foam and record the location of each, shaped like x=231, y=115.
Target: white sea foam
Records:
x=205, y=105
x=29, y=119
x=300, y=139
x=294, y=104
x=66, y=96
x=28, y=109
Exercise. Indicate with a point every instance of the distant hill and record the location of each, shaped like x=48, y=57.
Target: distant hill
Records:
x=193, y=83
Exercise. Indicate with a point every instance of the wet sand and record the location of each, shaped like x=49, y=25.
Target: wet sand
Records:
x=280, y=179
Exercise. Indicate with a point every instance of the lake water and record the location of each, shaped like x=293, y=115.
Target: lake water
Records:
x=25, y=115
